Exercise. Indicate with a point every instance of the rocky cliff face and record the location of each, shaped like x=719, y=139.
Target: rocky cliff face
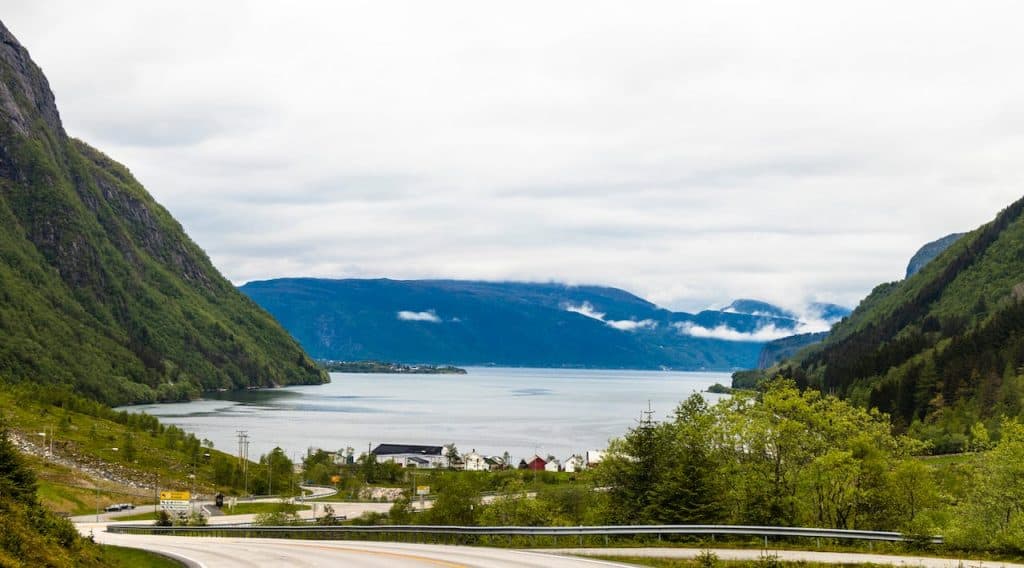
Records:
x=100, y=288
x=928, y=252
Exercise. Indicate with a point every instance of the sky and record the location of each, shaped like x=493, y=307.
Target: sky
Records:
x=689, y=152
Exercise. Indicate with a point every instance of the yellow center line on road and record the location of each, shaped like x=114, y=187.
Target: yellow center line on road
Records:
x=398, y=555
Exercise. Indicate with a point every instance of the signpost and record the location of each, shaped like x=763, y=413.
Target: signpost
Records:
x=175, y=502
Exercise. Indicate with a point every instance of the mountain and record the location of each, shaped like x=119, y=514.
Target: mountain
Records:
x=830, y=313
x=779, y=350
x=941, y=351
x=101, y=290
x=758, y=308
x=507, y=323
x=928, y=252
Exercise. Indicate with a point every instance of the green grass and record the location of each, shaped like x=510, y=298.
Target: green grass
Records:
x=121, y=557
x=150, y=516
x=257, y=508
x=89, y=439
x=695, y=563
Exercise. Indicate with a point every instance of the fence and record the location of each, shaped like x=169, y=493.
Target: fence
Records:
x=472, y=535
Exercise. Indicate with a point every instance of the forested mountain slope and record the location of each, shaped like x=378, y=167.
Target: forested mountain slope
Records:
x=942, y=350
x=100, y=288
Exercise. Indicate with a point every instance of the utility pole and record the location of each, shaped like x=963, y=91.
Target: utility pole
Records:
x=245, y=464
x=243, y=456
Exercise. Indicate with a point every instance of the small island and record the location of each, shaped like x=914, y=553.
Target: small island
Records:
x=390, y=368
x=719, y=388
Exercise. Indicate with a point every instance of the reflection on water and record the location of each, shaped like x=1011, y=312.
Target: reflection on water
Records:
x=492, y=410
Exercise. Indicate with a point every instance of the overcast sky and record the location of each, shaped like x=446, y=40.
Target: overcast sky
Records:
x=690, y=152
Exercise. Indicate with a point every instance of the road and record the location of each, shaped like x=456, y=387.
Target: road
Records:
x=205, y=552
x=792, y=555
x=202, y=552
x=351, y=509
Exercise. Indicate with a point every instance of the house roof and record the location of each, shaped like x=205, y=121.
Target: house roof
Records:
x=395, y=449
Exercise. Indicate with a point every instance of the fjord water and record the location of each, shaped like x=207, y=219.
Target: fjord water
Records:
x=492, y=410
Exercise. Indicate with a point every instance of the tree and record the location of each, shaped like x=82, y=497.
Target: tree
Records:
x=457, y=503
x=128, y=447
x=632, y=469
x=691, y=489
x=914, y=491
x=451, y=453
x=992, y=516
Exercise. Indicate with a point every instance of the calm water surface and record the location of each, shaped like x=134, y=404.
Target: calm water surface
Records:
x=492, y=410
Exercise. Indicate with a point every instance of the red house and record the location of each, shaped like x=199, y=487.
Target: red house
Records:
x=536, y=463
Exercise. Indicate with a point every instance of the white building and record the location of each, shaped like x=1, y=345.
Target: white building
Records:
x=425, y=457
x=552, y=465
x=575, y=463
x=475, y=462
x=594, y=457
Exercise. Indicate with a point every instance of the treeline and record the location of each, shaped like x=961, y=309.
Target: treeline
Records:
x=941, y=352
x=939, y=380
x=783, y=457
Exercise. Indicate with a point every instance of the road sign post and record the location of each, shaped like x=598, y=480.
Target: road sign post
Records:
x=175, y=502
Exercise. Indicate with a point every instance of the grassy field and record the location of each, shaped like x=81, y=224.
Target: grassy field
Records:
x=766, y=562
x=120, y=557
x=65, y=490
x=150, y=516
x=98, y=443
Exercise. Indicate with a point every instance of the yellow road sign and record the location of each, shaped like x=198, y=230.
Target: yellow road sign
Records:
x=423, y=490
x=174, y=495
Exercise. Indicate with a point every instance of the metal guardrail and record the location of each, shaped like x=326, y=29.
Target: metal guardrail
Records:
x=329, y=532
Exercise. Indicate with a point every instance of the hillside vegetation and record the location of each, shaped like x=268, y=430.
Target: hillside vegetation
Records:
x=29, y=535
x=100, y=288
x=942, y=351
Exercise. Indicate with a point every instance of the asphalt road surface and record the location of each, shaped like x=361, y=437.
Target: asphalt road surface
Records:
x=201, y=552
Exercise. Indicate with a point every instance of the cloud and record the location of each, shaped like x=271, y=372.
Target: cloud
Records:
x=763, y=334
x=427, y=316
x=675, y=151
x=587, y=309
x=632, y=325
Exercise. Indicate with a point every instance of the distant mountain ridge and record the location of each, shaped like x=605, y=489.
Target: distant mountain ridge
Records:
x=101, y=291
x=507, y=323
x=929, y=251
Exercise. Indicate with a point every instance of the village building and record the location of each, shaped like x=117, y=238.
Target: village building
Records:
x=475, y=462
x=495, y=463
x=407, y=455
x=536, y=463
x=574, y=463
